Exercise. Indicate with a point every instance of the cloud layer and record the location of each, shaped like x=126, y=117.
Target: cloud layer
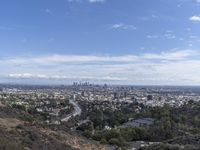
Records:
x=174, y=68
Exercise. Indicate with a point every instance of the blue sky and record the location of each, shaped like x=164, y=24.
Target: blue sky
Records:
x=115, y=41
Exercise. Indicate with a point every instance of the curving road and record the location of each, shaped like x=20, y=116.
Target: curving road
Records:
x=77, y=111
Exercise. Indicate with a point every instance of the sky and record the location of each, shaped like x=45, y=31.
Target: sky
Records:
x=130, y=42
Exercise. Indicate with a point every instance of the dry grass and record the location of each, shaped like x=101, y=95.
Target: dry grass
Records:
x=77, y=142
x=10, y=122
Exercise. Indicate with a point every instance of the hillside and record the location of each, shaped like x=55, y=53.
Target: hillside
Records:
x=18, y=134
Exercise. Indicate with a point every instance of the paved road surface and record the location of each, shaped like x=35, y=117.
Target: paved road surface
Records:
x=77, y=111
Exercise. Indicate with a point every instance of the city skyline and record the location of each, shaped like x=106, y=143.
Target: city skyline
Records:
x=118, y=42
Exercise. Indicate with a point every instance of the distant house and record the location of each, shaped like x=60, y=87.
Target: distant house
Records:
x=138, y=123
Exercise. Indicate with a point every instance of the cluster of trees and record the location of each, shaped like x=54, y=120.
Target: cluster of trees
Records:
x=17, y=106
x=170, y=123
x=107, y=117
x=171, y=147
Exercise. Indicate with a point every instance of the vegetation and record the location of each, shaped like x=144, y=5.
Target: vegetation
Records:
x=170, y=123
x=171, y=147
x=10, y=145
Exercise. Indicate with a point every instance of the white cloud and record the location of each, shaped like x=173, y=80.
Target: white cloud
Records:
x=123, y=26
x=195, y=18
x=96, y=1
x=28, y=75
x=171, y=67
x=152, y=36
x=62, y=77
x=19, y=75
x=177, y=55
x=169, y=35
x=59, y=59
x=90, y=1
x=74, y=0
